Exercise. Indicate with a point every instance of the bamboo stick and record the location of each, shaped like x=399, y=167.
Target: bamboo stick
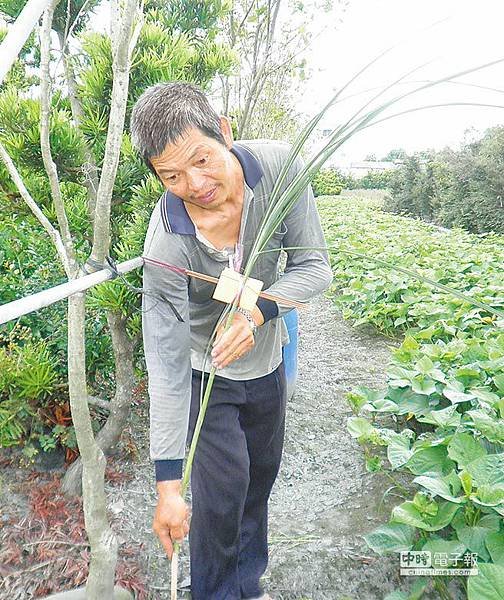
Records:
x=23, y=306
x=174, y=575
x=210, y=279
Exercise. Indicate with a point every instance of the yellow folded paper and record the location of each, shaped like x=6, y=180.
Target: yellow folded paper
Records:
x=229, y=285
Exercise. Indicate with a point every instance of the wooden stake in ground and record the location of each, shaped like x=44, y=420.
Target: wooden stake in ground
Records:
x=174, y=576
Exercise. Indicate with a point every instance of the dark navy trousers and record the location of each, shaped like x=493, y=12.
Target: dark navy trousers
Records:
x=235, y=465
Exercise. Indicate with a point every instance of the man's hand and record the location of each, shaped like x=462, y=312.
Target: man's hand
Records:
x=237, y=341
x=171, y=519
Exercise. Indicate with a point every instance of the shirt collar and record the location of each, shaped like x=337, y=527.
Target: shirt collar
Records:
x=173, y=211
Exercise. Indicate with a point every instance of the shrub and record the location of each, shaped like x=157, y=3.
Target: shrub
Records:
x=375, y=180
x=27, y=379
x=327, y=182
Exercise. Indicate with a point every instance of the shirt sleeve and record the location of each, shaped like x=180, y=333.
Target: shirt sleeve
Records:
x=167, y=351
x=307, y=272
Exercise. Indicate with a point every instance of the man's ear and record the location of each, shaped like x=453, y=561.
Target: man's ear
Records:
x=226, y=130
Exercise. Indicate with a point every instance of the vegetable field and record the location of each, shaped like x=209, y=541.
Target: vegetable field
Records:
x=439, y=419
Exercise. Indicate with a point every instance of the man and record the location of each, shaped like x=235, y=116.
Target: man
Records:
x=216, y=195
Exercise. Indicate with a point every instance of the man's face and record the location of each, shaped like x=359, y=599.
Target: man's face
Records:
x=198, y=169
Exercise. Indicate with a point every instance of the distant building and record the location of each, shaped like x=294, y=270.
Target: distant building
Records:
x=339, y=161
x=364, y=167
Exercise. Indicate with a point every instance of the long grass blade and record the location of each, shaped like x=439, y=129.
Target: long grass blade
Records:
x=489, y=308
x=427, y=106
x=301, y=140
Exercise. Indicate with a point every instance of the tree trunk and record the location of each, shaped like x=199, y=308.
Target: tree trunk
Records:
x=90, y=168
x=123, y=41
x=119, y=409
x=100, y=584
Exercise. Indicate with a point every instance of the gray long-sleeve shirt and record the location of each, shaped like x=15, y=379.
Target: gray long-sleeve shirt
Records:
x=173, y=347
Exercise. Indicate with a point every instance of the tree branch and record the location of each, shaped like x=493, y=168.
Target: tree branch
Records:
x=70, y=31
x=71, y=266
x=99, y=402
x=122, y=50
x=90, y=170
x=18, y=33
x=268, y=26
x=34, y=207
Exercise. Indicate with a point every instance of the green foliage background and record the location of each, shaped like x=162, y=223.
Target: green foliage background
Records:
x=327, y=182
x=462, y=188
x=371, y=181
x=331, y=181
x=177, y=41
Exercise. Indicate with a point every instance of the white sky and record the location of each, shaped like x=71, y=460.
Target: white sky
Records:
x=452, y=35
x=455, y=34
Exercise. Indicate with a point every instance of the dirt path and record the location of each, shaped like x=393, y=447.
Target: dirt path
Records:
x=324, y=500
x=324, y=491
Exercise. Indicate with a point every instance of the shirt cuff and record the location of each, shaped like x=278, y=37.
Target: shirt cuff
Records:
x=168, y=470
x=268, y=308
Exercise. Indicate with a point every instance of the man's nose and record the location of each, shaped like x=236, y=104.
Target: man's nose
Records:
x=195, y=182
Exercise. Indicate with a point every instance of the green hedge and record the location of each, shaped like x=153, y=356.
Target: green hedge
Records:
x=455, y=189
x=327, y=182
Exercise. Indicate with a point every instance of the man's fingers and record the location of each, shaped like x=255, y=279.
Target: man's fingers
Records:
x=227, y=338
x=237, y=352
x=166, y=542
x=232, y=353
x=170, y=518
x=218, y=335
x=237, y=332
x=177, y=534
x=233, y=344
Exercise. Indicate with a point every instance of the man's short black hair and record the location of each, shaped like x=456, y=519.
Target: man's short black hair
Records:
x=165, y=111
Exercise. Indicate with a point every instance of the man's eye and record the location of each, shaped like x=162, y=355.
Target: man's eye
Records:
x=203, y=160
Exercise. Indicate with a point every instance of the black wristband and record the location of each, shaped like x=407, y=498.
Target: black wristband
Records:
x=268, y=308
x=168, y=470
